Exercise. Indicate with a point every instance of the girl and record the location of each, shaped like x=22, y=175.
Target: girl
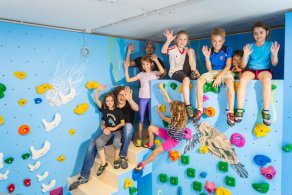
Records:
x=144, y=92
x=182, y=63
x=112, y=124
x=258, y=57
x=173, y=136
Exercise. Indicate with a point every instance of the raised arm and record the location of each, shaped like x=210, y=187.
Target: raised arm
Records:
x=169, y=38
x=129, y=98
x=131, y=47
x=207, y=52
x=246, y=52
x=274, y=51
x=128, y=78
x=160, y=68
x=96, y=96
x=160, y=85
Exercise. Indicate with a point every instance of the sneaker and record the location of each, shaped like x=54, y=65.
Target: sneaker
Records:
x=238, y=115
x=197, y=116
x=139, y=167
x=138, y=143
x=148, y=146
x=117, y=164
x=123, y=162
x=194, y=75
x=75, y=184
x=190, y=111
x=101, y=169
x=230, y=119
x=266, y=117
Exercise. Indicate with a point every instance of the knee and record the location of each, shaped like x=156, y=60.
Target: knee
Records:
x=99, y=145
x=200, y=82
x=186, y=81
x=128, y=129
x=266, y=80
x=229, y=83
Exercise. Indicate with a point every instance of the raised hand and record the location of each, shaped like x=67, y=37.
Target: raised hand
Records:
x=247, y=50
x=128, y=93
x=101, y=87
x=169, y=35
x=206, y=51
x=126, y=65
x=275, y=48
x=154, y=57
x=160, y=85
x=131, y=47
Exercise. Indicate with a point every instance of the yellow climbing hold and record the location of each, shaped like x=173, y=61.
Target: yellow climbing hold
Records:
x=222, y=191
x=20, y=75
x=1, y=120
x=204, y=149
x=72, y=131
x=236, y=86
x=61, y=158
x=92, y=84
x=128, y=183
x=43, y=88
x=22, y=102
x=181, y=87
x=157, y=142
x=162, y=108
x=261, y=130
x=81, y=108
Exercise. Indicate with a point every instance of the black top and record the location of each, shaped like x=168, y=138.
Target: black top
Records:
x=154, y=67
x=112, y=117
x=128, y=113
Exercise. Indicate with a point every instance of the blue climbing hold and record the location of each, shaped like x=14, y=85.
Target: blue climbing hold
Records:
x=179, y=190
x=203, y=174
x=261, y=160
x=38, y=100
x=137, y=175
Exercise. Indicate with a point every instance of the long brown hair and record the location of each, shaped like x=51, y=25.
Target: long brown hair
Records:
x=263, y=26
x=178, y=114
x=110, y=94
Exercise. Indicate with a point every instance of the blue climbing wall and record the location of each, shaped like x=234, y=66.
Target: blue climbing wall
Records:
x=268, y=145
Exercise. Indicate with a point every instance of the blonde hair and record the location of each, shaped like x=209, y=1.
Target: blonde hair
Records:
x=178, y=114
x=218, y=32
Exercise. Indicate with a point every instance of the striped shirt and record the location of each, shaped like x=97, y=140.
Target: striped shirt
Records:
x=175, y=133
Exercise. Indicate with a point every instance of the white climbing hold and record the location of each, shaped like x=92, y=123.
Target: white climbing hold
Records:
x=4, y=176
x=41, y=152
x=51, y=185
x=53, y=124
x=35, y=166
x=42, y=177
x=1, y=160
x=65, y=99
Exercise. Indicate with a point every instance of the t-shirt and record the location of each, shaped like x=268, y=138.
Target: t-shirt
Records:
x=218, y=60
x=260, y=58
x=112, y=117
x=145, y=78
x=176, y=59
x=174, y=133
x=153, y=68
x=128, y=113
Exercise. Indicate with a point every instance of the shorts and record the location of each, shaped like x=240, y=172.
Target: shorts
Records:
x=256, y=72
x=211, y=76
x=169, y=142
x=179, y=75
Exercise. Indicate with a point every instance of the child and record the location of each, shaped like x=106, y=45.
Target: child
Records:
x=258, y=57
x=182, y=63
x=218, y=64
x=112, y=124
x=173, y=136
x=144, y=92
x=236, y=63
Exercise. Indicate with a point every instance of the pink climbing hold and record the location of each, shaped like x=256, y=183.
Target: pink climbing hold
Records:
x=237, y=140
x=58, y=191
x=210, y=187
x=269, y=172
x=205, y=98
x=188, y=134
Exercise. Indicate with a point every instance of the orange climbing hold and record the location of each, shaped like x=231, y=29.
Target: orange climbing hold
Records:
x=210, y=111
x=23, y=129
x=174, y=155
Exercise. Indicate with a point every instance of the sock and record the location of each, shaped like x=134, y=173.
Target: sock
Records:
x=53, y=124
x=266, y=111
x=41, y=152
x=42, y=177
x=1, y=160
x=51, y=185
x=35, y=166
x=4, y=176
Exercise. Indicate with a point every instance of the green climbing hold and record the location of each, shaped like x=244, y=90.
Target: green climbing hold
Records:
x=261, y=187
x=133, y=190
x=191, y=172
x=185, y=160
x=287, y=148
x=164, y=85
x=25, y=156
x=2, y=89
x=163, y=178
x=209, y=87
x=223, y=166
x=230, y=181
x=165, y=124
x=9, y=160
x=173, y=86
x=274, y=86
x=173, y=180
x=197, y=186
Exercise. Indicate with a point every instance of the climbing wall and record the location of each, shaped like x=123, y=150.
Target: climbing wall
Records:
x=186, y=174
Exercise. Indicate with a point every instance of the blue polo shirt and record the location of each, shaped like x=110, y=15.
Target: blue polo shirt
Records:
x=218, y=60
x=260, y=58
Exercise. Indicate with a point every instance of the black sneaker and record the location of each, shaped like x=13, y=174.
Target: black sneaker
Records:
x=123, y=162
x=198, y=115
x=190, y=111
x=101, y=169
x=75, y=184
x=117, y=164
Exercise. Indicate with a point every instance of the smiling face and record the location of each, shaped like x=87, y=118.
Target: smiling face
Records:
x=121, y=97
x=217, y=42
x=236, y=60
x=260, y=35
x=149, y=49
x=109, y=102
x=181, y=40
x=146, y=66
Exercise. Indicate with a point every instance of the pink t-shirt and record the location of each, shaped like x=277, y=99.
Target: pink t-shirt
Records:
x=145, y=78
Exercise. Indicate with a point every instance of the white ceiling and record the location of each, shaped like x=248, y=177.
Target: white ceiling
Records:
x=146, y=19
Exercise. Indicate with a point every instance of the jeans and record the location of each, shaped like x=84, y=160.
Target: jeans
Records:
x=91, y=152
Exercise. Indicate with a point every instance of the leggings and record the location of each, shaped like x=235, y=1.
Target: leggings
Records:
x=144, y=103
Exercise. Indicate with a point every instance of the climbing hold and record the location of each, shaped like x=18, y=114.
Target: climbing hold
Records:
x=38, y=100
x=162, y=108
x=210, y=111
x=165, y=124
x=210, y=187
x=42, y=177
x=208, y=87
x=26, y=182
x=205, y=98
x=23, y=129
x=1, y=120
x=223, y=166
x=61, y=158
x=25, y=156
x=72, y=132
x=51, y=185
x=173, y=86
x=185, y=160
x=204, y=149
x=203, y=174
x=157, y=142
x=191, y=172
x=43, y=88
x=197, y=186
x=261, y=160
x=269, y=172
x=237, y=140
x=274, y=86
x=173, y=155
x=35, y=166
x=81, y=108
x=188, y=134
x=286, y=148
x=133, y=190
x=9, y=160
x=236, y=86
x=230, y=181
x=181, y=87
x=92, y=84
x=36, y=154
x=1, y=160
x=163, y=178
x=261, y=187
x=22, y=102
x=4, y=176
x=11, y=188
x=137, y=175
x=20, y=75
x=65, y=99
x=54, y=123
x=128, y=183
x=2, y=90
x=222, y=191
x=179, y=190
x=173, y=180
x=261, y=130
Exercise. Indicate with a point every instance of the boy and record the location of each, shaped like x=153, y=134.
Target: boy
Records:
x=236, y=61
x=218, y=64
